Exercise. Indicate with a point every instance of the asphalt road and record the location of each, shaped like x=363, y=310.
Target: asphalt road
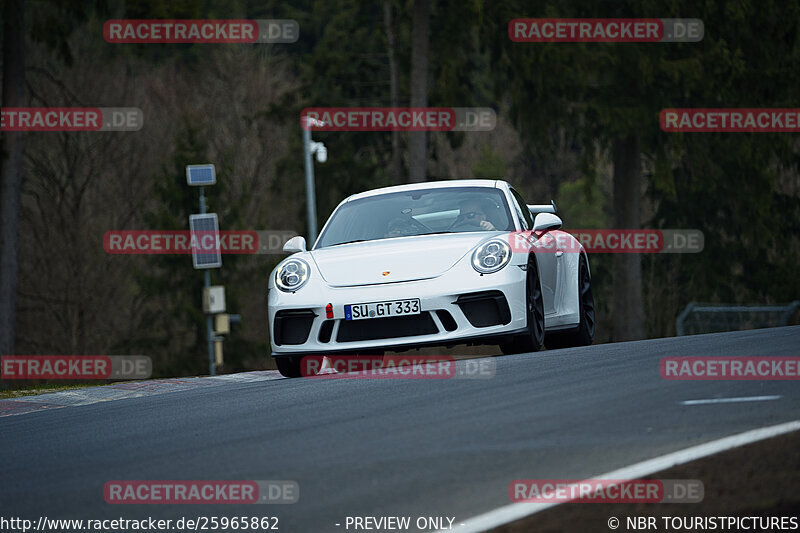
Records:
x=390, y=447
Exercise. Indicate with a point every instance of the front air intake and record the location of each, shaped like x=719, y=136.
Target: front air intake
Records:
x=484, y=309
x=293, y=326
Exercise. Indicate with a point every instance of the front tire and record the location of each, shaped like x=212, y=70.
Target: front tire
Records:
x=534, y=310
x=289, y=366
x=583, y=334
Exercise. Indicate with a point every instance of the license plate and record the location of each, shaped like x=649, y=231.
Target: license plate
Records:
x=381, y=309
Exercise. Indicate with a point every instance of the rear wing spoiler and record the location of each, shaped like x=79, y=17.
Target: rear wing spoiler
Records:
x=543, y=208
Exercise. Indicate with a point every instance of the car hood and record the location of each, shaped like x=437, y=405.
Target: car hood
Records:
x=395, y=260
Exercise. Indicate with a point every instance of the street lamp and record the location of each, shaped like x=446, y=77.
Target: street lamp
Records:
x=312, y=147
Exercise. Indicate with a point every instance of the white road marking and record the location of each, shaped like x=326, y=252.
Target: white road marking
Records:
x=515, y=511
x=731, y=400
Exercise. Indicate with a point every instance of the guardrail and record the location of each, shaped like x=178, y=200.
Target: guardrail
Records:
x=712, y=318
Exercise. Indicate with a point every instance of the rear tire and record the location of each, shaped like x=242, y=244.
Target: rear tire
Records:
x=534, y=309
x=583, y=334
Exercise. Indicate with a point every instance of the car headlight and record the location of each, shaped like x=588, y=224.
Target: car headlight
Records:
x=491, y=256
x=292, y=275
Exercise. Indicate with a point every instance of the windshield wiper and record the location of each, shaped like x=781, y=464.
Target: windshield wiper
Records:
x=350, y=242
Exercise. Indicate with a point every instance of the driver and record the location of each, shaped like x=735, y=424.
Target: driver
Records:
x=471, y=213
x=401, y=227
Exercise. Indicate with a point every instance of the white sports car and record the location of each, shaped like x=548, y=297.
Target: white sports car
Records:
x=436, y=263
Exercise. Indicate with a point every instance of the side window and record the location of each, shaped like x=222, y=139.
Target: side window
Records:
x=522, y=210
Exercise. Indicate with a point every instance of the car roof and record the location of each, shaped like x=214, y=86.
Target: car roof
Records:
x=429, y=185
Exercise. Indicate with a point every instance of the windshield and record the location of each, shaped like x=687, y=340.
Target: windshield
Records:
x=418, y=212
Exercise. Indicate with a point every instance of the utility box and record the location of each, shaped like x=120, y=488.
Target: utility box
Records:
x=214, y=299
x=222, y=324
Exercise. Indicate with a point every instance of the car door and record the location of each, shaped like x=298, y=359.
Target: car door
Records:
x=548, y=256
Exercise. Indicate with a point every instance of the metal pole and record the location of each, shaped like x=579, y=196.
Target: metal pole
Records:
x=212, y=369
x=209, y=328
x=311, y=202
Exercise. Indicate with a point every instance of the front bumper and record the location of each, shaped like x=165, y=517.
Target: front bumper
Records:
x=460, y=306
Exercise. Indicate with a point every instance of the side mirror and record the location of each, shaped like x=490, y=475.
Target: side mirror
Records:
x=295, y=244
x=546, y=222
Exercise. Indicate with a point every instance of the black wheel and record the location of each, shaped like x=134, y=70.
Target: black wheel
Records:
x=583, y=334
x=289, y=365
x=534, y=309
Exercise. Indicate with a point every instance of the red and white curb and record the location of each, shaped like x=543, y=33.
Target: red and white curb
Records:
x=121, y=391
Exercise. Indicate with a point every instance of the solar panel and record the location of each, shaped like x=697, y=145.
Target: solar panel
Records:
x=204, y=232
x=201, y=174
